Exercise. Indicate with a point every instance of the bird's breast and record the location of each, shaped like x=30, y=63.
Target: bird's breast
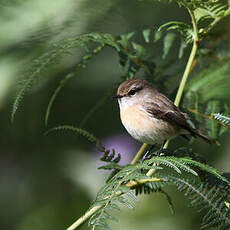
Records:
x=144, y=127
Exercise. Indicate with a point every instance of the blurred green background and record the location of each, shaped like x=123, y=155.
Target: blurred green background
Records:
x=47, y=182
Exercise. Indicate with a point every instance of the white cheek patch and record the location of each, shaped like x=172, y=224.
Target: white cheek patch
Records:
x=126, y=102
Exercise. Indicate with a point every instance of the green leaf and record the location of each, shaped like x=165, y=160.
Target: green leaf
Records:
x=209, y=11
x=146, y=35
x=223, y=119
x=125, y=39
x=201, y=13
x=209, y=200
x=205, y=167
x=184, y=29
x=168, y=43
x=139, y=50
x=183, y=45
x=212, y=82
x=157, y=35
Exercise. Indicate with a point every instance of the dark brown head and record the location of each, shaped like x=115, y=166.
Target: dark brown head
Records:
x=134, y=91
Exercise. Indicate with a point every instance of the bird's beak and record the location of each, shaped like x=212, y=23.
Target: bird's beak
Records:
x=116, y=96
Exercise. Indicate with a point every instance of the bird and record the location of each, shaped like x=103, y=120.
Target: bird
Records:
x=149, y=116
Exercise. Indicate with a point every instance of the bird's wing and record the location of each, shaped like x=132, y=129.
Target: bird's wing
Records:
x=164, y=109
x=167, y=111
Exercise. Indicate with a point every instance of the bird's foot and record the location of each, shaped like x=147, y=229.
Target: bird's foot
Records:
x=163, y=152
x=148, y=155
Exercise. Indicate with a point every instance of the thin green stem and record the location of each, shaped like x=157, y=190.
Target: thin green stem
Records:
x=88, y=214
x=85, y=217
x=139, y=154
x=190, y=61
x=186, y=73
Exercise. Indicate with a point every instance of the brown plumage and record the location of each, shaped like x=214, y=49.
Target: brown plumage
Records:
x=150, y=116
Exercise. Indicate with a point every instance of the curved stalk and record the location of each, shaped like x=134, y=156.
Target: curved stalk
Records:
x=88, y=214
x=186, y=73
x=190, y=61
x=85, y=217
x=139, y=154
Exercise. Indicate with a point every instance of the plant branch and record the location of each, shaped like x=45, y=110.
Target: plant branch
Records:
x=186, y=73
x=131, y=184
x=139, y=154
x=190, y=60
x=85, y=217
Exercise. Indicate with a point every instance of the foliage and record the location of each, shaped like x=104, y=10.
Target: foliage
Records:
x=90, y=137
x=208, y=114
x=205, y=98
x=54, y=54
x=211, y=200
x=208, y=198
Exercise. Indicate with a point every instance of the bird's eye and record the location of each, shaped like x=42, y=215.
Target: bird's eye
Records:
x=132, y=92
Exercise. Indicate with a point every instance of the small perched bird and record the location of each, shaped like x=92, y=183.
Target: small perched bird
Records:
x=149, y=116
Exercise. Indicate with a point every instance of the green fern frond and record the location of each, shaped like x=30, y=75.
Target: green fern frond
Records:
x=168, y=42
x=62, y=83
x=94, y=108
x=211, y=83
x=53, y=97
x=209, y=113
x=89, y=136
x=20, y=96
x=169, y=200
x=110, y=197
x=203, y=91
x=222, y=118
x=182, y=163
x=184, y=29
x=204, y=167
x=116, y=190
x=209, y=200
x=148, y=188
x=111, y=166
x=115, y=193
x=211, y=125
x=175, y=163
x=58, y=50
x=146, y=34
x=110, y=156
x=206, y=11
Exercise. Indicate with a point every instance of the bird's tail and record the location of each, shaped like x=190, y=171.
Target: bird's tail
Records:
x=204, y=137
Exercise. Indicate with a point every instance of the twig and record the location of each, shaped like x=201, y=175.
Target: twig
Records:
x=131, y=184
x=139, y=154
x=82, y=219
